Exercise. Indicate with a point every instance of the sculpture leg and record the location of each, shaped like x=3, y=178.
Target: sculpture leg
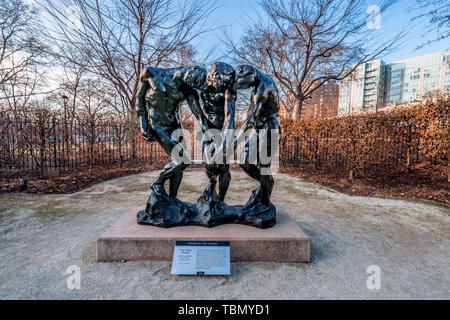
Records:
x=265, y=145
x=174, y=169
x=211, y=173
x=260, y=171
x=251, y=170
x=224, y=181
x=175, y=182
x=249, y=157
x=249, y=166
x=266, y=189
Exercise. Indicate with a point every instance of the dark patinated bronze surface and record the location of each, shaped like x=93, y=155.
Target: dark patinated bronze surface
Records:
x=211, y=96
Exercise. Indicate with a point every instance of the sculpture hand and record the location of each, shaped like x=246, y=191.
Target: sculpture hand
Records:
x=203, y=135
x=249, y=124
x=206, y=134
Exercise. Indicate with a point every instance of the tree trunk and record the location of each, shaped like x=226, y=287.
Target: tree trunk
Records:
x=91, y=147
x=350, y=175
x=408, y=160
x=132, y=123
x=42, y=152
x=316, y=161
x=448, y=170
x=297, y=112
x=120, y=155
x=408, y=150
x=91, y=155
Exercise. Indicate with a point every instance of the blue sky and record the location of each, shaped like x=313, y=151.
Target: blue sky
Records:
x=232, y=15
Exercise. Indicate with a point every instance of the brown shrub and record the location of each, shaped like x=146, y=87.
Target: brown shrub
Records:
x=403, y=135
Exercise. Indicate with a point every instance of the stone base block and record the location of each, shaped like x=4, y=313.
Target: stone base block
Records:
x=127, y=240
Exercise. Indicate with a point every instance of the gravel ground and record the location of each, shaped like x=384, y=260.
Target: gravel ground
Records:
x=40, y=236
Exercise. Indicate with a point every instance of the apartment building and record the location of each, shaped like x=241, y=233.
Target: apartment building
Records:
x=375, y=84
x=363, y=89
x=322, y=104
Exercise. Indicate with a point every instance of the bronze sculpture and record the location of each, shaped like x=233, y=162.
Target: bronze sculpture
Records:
x=263, y=117
x=168, y=89
x=162, y=93
x=219, y=103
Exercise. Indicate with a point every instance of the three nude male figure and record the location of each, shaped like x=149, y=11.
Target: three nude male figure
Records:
x=211, y=96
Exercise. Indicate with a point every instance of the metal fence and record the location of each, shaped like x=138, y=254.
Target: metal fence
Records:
x=369, y=143
x=37, y=147
x=326, y=152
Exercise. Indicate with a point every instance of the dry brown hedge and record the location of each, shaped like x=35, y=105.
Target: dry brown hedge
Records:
x=403, y=135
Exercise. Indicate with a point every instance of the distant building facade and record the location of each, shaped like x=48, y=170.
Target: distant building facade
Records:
x=363, y=89
x=411, y=79
x=374, y=84
x=322, y=104
x=287, y=102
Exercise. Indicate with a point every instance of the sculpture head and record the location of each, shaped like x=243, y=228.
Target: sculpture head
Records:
x=195, y=77
x=220, y=76
x=246, y=76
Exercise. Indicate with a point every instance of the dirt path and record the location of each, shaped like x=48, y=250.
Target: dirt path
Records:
x=40, y=236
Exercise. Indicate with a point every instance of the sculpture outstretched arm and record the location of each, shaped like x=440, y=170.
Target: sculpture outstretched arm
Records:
x=235, y=140
x=194, y=105
x=250, y=122
x=256, y=106
x=230, y=105
x=258, y=101
x=142, y=109
x=142, y=103
x=150, y=79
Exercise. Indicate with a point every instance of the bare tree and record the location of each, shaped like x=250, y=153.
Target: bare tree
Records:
x=119, y=37
x=184, y=55
x=21, y=64
x=94, y=98
x=437, y=15
x=307, y=43
x=17, y=41
x=70, y=84
x=19, y=89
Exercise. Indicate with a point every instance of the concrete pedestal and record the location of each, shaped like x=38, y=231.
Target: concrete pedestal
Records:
x=127, y=240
